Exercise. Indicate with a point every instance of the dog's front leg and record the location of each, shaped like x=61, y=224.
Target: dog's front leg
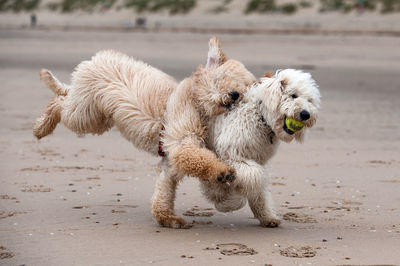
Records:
x=193, y=159
x=162, y=205
x=253, y=181
x=262, y=207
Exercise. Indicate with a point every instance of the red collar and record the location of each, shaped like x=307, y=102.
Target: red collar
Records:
x=160, y=143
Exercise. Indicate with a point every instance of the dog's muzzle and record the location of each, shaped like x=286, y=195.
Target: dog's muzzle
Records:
x=286, y=129
x=291, y=125
x=304, y=115
x=234, y=96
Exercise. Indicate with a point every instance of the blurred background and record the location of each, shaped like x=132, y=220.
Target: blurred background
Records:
x=68, y=200
x=200, y=14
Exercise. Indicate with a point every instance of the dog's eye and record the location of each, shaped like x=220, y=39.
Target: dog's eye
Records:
x=294, y=96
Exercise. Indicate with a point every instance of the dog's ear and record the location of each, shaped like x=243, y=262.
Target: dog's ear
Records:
x=284, y=83
x=216, y=56
x=268, y=74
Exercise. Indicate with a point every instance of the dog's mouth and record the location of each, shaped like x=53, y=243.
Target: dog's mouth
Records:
x=227, y=106
x=230, y=99
x=291, y=125
x=287, y=130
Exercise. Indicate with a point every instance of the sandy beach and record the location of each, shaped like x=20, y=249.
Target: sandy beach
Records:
x=69, y=200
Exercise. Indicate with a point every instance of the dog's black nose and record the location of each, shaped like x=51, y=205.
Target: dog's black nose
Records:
x=304, y=115
x=234, y=95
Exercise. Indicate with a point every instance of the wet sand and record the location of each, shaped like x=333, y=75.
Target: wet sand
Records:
x=68, y=200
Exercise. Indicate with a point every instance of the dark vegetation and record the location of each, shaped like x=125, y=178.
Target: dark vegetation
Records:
x=184, y=6
x=18, y=5
x=173, y=6
x=383, y=6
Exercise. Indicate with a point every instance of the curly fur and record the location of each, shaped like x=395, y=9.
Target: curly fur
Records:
x=110, y=89
x=189, y=110
x=248, y=136
x=114, y=89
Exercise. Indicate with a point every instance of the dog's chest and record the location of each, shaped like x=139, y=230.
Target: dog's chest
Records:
x=243, y=134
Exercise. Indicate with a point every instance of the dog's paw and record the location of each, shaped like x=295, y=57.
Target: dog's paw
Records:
x=226, y=176
x=220, y=173
x=174, y=222
x=271, y=223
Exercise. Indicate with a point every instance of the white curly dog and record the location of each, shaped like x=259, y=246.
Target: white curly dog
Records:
x=279, y=108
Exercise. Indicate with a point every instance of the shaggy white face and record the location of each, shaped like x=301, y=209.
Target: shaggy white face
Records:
x=290, y=104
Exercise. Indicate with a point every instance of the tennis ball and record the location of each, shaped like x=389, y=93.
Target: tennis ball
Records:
x=293, y=124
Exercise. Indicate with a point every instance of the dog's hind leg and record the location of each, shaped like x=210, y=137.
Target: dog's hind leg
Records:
x=224, y=197
x=46, y=124
x=48, y=121
x=53, y=83
x=162, y=206
x=233, y=202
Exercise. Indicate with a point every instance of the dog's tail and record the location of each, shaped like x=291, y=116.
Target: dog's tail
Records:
x=48, y=121
x=53, y=83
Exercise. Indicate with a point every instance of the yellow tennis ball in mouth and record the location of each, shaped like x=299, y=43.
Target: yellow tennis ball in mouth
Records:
x=293, y=124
